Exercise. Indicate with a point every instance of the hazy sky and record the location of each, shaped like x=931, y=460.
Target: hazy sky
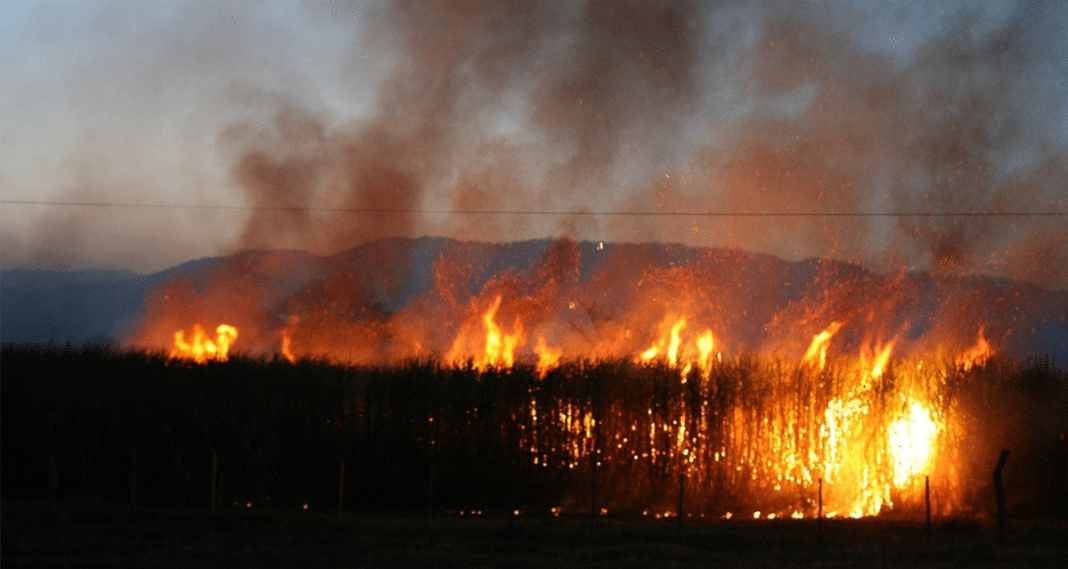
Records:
x=500, y=105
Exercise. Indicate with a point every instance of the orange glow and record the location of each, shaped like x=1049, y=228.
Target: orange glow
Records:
x=201, y=348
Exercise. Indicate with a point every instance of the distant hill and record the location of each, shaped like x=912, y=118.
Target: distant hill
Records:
x=379, y=289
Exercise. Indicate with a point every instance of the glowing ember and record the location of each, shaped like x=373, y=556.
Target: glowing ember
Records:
x=977, y=355
x=912, y=439
x=201, y=348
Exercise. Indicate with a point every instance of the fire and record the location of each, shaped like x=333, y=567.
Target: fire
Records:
x=977, y=355
x=817, y=351
x=705, y=344
x=673, y=343
x=286, y=352
x=882, y=357
x=499, y=348
x=548, y=357
x=867, y=431
x=912, y=439
x=201, y=348
x=678, y=353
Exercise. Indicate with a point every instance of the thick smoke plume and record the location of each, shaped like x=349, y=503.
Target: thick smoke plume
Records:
x=609, y=106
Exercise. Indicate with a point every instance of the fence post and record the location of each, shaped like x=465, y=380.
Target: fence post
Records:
x=999, y=494
x=927, y=498
x=214, y=475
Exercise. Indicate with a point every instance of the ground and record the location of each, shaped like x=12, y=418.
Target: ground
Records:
x=87, y=533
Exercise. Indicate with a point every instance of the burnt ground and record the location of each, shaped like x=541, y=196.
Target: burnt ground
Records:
x=89, y=533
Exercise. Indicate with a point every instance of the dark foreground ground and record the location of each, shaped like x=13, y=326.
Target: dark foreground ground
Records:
x=94, y=534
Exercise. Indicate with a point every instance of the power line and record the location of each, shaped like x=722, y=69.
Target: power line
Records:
x=963, y=214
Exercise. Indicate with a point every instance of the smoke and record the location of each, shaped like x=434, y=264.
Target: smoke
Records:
x=344, y=122
x=607, y=106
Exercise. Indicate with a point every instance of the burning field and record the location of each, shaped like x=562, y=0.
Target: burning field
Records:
x=639, y=380
x=617, y=259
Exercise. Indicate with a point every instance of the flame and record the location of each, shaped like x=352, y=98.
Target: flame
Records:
x=672, y=340
x=499, y=348
x=201, y=348
x=285, y=351
x=548, y=357
x=882, y=357
x=817, y=351
x=977, y=355
x=912, y=439
x=679, y=353
x=705, y=343
x=673, y=344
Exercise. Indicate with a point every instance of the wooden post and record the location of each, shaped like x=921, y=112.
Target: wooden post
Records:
x=214, y=474
x=133, y=478
x=340, y=488
x=819, y=516
x=999, y=494
x=927, y=497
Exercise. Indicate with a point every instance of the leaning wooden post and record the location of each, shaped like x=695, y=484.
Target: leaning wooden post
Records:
x=927, y=498
x=133, y=478
x=999, y=494
x=340, y=488
x=214, y=474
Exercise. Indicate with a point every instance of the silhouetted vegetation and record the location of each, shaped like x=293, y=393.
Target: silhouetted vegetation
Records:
x=497, y=439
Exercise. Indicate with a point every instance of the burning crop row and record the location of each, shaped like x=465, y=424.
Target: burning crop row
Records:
x=868, y=427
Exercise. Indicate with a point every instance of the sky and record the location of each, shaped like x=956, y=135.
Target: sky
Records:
x=321, y=125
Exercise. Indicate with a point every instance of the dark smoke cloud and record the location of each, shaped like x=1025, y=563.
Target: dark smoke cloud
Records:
x=576, y=79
